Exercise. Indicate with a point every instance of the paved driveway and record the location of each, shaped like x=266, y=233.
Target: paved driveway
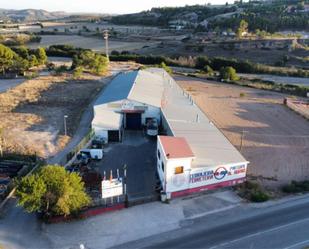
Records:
x=6, y=84
x=138, y=152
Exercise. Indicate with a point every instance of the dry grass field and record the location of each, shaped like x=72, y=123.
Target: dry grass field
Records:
x=32, y=113
x=94, y=43
x=275, y=139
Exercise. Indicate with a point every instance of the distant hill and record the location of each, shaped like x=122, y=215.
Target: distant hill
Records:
x=271, y=15
x=29, y=15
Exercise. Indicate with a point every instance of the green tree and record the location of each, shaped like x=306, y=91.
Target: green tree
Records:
x=41, y=56
x=6, y=58
x=22, y=51
x=228, y=73
x=208, y=70
x=166, y=68
x=33, y=61
x=53, y=191
x=243, y=27
x=94, y=62
x=77, y=73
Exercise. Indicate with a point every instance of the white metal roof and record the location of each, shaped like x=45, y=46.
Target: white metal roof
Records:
x=155, y=87
x=107, y=119
x=209, y=145
x=141, y=86
x=148, y=88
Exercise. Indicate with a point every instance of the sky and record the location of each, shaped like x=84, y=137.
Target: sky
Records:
x=100, y=6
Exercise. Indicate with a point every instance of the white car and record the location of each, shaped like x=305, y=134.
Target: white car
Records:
x=96, y=154
x=152, y=128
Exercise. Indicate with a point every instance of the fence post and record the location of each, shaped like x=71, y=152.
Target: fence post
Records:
x=126, y=201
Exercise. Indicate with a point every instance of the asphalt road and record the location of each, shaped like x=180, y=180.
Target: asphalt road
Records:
x=283, y=228
x=285, y=225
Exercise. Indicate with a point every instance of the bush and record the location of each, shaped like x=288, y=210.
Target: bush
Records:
x=208, y=70
x=252, y=191
x=296, y=187
x=77, y=73
x=61, y=69
x=228, y=73
x=166, y=68
x=259, y=196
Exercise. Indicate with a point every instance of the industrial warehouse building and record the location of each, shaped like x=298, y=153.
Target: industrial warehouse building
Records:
x=127, y=102
x=193, y=155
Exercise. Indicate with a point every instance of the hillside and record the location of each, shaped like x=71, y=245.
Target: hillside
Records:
x=271, y=16
x=29, y=15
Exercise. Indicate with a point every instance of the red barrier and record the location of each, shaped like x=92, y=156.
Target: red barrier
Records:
x=86, y=213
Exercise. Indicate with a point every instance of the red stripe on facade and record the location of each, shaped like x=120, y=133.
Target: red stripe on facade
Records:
x=207, y=187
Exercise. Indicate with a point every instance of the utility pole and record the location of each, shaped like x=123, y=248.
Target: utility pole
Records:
x=105, y=36
x=65, y=124
x=241, y=140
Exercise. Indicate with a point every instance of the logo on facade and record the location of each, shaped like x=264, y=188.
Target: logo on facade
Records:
x=127, y=105
x=220, y=173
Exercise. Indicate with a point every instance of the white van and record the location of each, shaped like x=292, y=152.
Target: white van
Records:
x=96, y=154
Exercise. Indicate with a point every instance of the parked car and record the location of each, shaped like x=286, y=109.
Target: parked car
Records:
x=152, y=128
x=82, y=159
x=97, y=143
x=96, y=154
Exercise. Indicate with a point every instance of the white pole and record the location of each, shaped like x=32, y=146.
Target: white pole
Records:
x=65, y=124
x=106, y=43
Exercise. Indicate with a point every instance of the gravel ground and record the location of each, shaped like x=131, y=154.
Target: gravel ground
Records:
x=275, y=139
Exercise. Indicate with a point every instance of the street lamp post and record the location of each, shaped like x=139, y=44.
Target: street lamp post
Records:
x=105, y=35
x=65, y=124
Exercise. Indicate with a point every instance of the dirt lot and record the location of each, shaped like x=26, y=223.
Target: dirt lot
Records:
x=94, y=43
x=275, y=141
x=32, y=113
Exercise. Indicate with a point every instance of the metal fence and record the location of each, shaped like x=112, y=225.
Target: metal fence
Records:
x=81, y=145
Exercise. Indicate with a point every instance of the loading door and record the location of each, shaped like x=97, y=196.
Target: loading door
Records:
x=133, y=121
x=113, y=136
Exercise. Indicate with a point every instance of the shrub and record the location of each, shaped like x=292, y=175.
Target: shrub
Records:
x=61, y=69
x=77, y=73
x=296, y=187
x=208, y=70
x=166, y=68
x=228, y=73
x=259, y=196
x=252, y=191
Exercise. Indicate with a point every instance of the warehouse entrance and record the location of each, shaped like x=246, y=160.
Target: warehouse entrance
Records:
x=133, y=121
x=114, y=136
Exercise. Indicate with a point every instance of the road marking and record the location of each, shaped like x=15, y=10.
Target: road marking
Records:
x=259, y=233
x=297, y=244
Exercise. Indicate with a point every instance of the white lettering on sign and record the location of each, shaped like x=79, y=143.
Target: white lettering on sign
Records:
x=219, y=173
x=127, y=105
x=112, y=188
